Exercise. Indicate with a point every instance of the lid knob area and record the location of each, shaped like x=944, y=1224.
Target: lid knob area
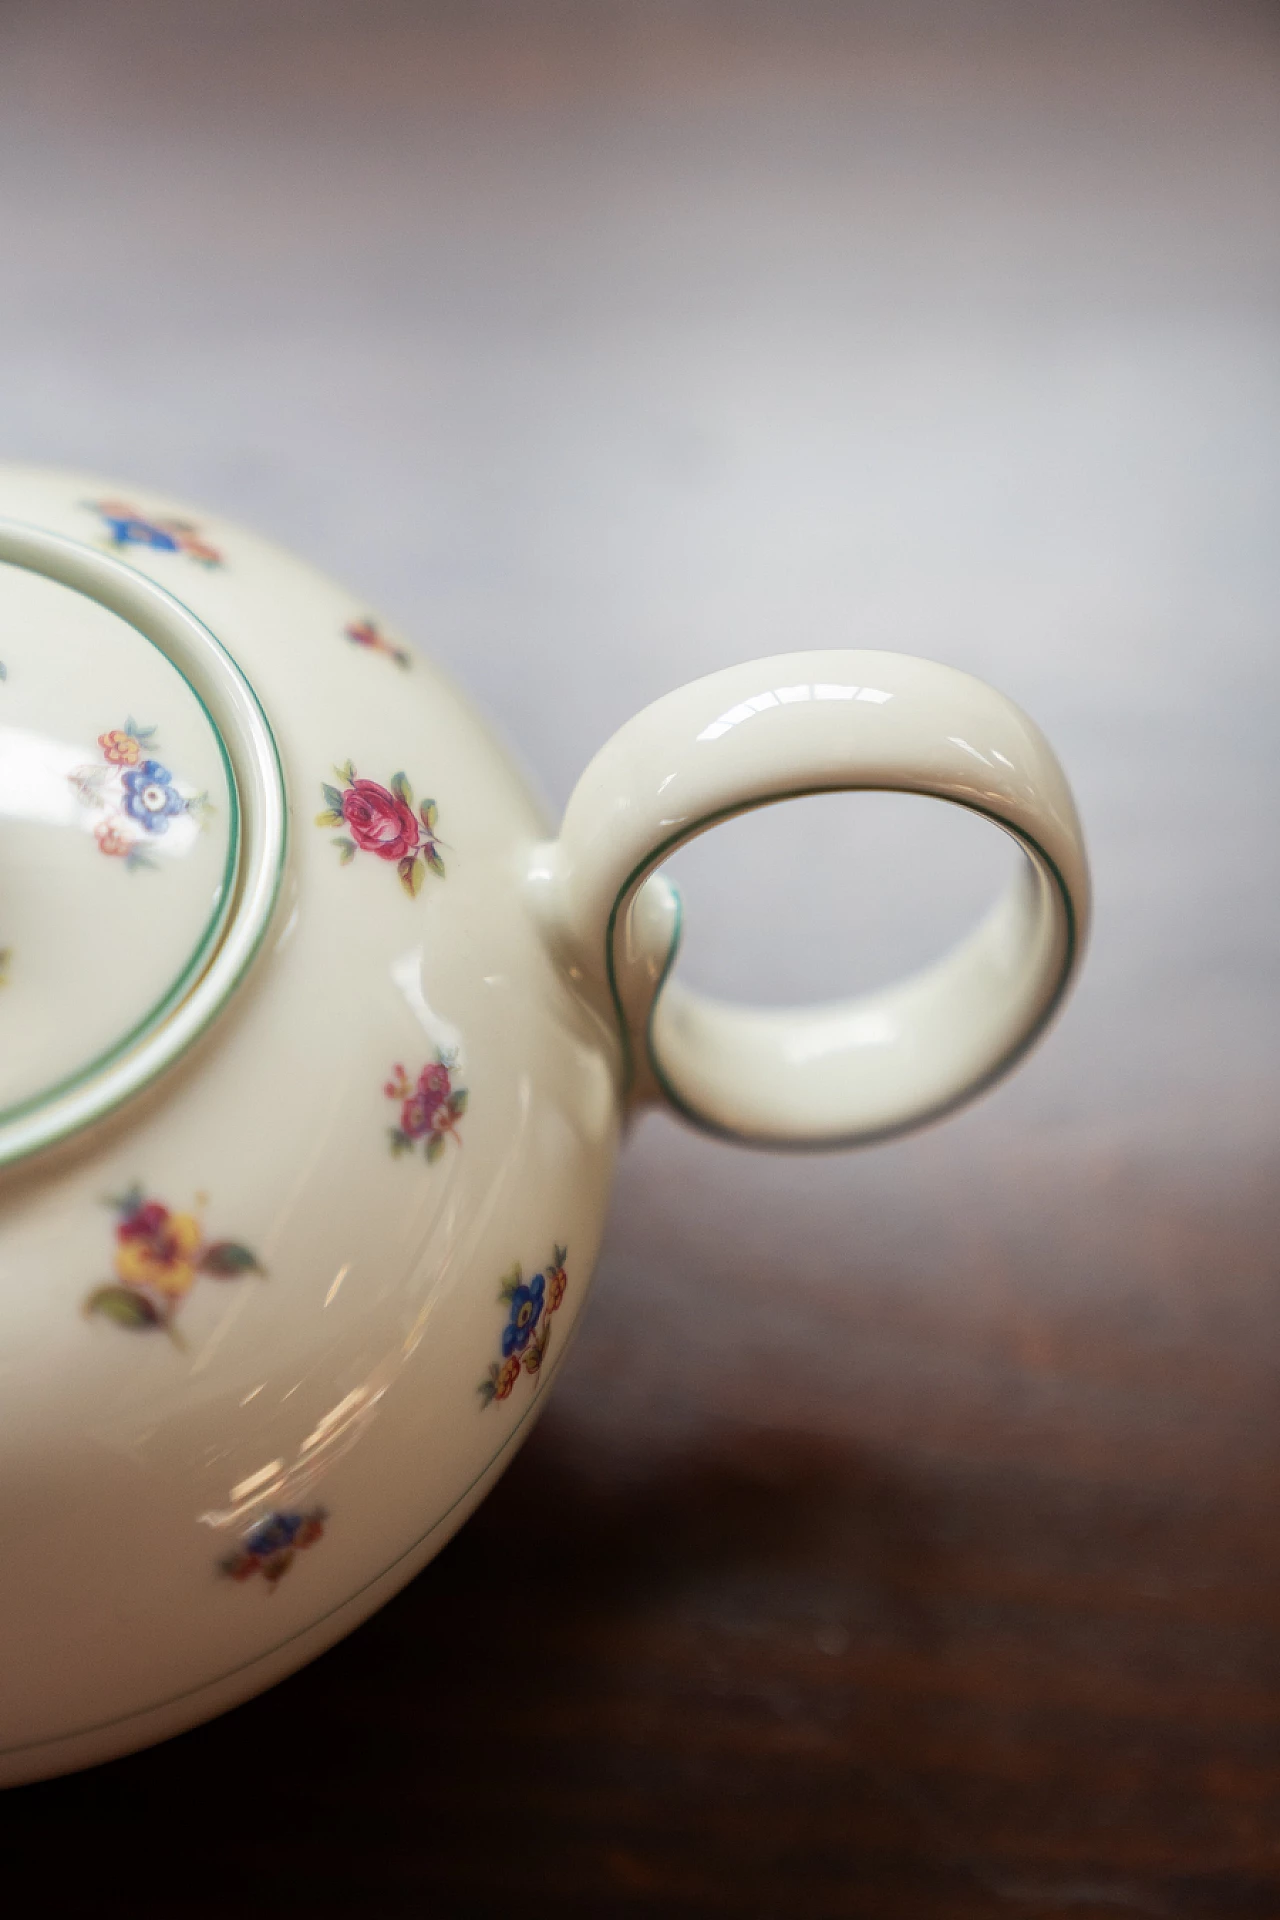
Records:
x=142, y=831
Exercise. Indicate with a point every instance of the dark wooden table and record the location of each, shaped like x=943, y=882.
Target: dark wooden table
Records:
x=904, y=1536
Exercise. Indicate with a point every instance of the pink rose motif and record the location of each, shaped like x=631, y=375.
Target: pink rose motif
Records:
x=415, y=1117
x=380, y=821
x=430, y=1107
x=434, y=1084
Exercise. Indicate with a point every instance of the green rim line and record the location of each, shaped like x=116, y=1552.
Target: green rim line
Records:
x=210, y=939
x=330, y=1613
x=60, y=557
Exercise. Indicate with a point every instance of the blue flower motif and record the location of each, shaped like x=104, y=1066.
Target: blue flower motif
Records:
x=150, y=796
x=526, y=1311
x=131, y=530
x=273, y=1534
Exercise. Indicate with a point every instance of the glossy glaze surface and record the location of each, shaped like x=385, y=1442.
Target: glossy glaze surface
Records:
x=255, y=1320
x=804, y=723
x=341, y=1368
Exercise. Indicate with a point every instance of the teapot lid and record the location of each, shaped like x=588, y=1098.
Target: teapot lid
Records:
x=142, y=833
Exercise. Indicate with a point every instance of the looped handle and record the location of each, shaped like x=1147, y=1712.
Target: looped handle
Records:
x=777, y=729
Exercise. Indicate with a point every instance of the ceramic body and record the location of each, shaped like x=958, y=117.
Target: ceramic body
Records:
x=319, y=1048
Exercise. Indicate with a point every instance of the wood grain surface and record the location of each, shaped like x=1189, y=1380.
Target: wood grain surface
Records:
x=903, y=1537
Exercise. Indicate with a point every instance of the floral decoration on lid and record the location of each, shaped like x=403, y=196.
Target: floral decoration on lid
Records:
x=134, y=793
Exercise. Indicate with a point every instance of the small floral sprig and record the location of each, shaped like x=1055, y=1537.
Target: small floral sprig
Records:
x=126, y=527
x=527, y=1335
x=157, y=1258
x=430, y=1107
x=367, y=633
x=381, y=820
x=134, y=793
x=273, y=1543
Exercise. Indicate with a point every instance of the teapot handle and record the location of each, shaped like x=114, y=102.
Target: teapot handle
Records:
x=776, y=729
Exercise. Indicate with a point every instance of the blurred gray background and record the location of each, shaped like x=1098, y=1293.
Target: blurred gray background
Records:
x=601, y=345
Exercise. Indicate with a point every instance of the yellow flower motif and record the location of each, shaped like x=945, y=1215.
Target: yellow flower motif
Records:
x=121, y=748
x=165, y=1259
x=158, y=1258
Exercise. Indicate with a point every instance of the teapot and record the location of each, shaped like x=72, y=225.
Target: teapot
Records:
x=318, y=1046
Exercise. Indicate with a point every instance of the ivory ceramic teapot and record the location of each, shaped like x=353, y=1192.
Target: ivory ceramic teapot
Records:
x=317, y=1044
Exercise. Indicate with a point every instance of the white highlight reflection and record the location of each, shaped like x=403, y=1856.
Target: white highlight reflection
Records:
x=789, y=697
x=406, y=972
x=60, y=785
